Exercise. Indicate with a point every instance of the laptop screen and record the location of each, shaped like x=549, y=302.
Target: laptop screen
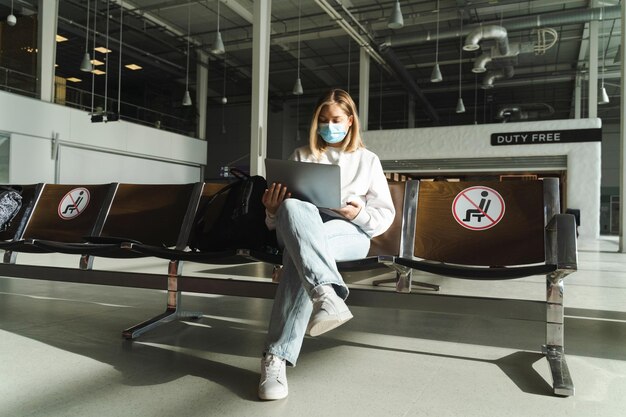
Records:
x=319, y=184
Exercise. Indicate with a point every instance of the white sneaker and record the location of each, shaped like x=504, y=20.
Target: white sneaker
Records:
x=329, y=311
x=273, y=384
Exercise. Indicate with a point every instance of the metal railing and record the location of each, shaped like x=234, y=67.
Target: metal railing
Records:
x=26, y=84
x=18, y=82
x=81, y=99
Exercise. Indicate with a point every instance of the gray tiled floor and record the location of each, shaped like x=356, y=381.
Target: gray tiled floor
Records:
x=62, y=353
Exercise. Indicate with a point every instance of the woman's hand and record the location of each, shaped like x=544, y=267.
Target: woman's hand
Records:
x=351, y=210
x=273, y=197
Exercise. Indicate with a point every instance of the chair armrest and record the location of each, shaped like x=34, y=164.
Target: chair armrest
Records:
x=108, y=240
x=364, y=264
x=75, y=248
x=482, y=273
x=225, y=257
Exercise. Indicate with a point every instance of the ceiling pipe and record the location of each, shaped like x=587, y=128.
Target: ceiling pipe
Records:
x=567, y=17
x=499, y=33
x=480, y=64
x=360, y=38
x=496, y=30
x=527, y=111
x=493, y=75
x=405, y=78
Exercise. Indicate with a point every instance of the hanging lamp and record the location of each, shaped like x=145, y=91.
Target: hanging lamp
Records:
x=218, y=44
x=86, y=65
x=187, y=97
x=396, y=21
x=604, y=97
x=297, y=87
x=11, y=19
x=460, y=107
x=224, y=100
x=435, y=75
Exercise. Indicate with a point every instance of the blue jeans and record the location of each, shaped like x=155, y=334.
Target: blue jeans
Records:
x=312, y=243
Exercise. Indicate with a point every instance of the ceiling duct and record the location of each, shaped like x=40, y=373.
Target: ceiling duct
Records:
x=481, y=33
x=480, y=63
x=497, y=74
x=477, y=33
x=567, y=17
x=527, y=111
x=358, y=32
x=384, y=56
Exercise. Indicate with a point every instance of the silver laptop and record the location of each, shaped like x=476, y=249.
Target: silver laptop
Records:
x=319, y=184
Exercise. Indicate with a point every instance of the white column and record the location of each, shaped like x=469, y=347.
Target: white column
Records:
x=46, y=45
x=622, y=143
x=578, y=92
x=202, y=92
x=261, y=29
x=593, y=70
x=364, y=88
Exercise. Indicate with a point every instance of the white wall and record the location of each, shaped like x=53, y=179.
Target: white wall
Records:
x=93, y=152
x=583, y=159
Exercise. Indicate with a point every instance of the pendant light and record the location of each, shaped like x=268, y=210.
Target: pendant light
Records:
x=297, y=87
x=11, y=19
x=604, y=97
x=86, y=65
x=435, y=76
x=396, y=21
x=218, y=45
x=460, y=107
x=187, y=97
x=224, y=99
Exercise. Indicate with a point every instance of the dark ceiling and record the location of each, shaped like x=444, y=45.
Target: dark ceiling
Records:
x=154, y=37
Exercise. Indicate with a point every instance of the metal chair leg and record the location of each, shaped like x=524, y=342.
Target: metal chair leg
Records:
x=554, y=350
x=173, y=310
x=404, y=281
x=562, y=383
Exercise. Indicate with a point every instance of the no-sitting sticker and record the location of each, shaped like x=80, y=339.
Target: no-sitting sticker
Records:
x=478, y=208
x=73, y=203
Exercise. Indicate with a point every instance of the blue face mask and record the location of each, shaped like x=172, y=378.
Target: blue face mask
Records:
x=332, y=132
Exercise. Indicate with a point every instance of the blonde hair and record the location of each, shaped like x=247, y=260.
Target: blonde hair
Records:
x=353, y=140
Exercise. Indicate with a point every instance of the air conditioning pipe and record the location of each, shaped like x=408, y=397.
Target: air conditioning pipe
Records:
x=491, y=76
x=499, y=33
x=560, y=18
x=480, y=63
x=516, y=112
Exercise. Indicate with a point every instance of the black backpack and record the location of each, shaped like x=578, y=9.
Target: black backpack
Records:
x=234, y=218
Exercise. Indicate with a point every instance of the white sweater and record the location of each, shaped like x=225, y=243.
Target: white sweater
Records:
x=362, y=180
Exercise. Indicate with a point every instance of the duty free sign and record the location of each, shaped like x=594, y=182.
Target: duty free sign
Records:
x=546, y=136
